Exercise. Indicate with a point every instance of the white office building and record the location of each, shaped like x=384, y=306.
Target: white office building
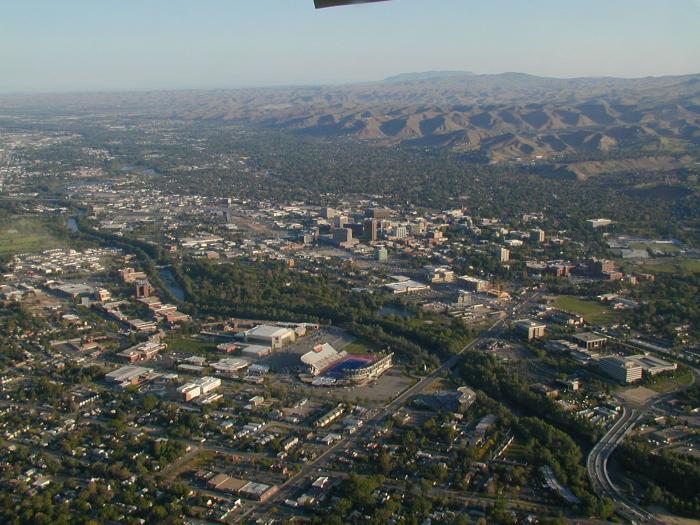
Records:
x=621, y=369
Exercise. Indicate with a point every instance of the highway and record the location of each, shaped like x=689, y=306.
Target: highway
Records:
x=597, y=464
x=295, y=483
x=597, y=461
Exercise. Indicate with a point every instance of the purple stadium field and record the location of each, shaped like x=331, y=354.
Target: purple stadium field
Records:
x=350, y=362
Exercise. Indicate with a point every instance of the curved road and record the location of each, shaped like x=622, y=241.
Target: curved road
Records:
x=597, y=462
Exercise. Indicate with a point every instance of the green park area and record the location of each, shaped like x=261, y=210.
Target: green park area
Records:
x=26, y=235
x=676, y=266
x=665, y=383
x=592, y=311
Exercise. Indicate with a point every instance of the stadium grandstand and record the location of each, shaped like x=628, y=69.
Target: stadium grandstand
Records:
x=321, y=357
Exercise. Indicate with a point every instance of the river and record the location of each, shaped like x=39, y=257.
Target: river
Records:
x=170, y=282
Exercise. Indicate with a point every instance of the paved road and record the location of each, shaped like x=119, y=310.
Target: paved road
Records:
x=597, y=461
x=293, y=484
x=597, y=464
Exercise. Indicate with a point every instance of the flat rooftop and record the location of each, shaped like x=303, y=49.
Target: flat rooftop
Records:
x=265, y=330
x=589, y=337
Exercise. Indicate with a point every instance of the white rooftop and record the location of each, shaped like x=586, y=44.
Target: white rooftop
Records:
x=265, y=330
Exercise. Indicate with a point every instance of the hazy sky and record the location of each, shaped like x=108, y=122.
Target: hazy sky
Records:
x=51, y=45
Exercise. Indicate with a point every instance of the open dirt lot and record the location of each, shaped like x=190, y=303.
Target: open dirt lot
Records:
x=638, y=395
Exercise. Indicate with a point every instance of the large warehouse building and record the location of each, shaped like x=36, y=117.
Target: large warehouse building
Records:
x=275, y=336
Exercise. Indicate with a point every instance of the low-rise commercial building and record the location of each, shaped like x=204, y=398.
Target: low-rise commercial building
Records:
x=329, y=416
x=230, y=367
x=599, y=223
x=652, y=365
x=474, y=284
x=128, y=375
x=590, y=341
x=141, y=352
x=403, y=284
x=199, y=387
x=439, y=274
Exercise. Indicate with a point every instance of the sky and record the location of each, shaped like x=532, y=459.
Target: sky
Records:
x=111, y=45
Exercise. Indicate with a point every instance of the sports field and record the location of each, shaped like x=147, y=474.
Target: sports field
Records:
x=591, y=311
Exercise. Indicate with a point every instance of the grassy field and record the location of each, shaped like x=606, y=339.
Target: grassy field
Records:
x=664, y=385
x=672, y=266
x=25, y=235
x=663, y=247
x=357, y=347
x=591, y=311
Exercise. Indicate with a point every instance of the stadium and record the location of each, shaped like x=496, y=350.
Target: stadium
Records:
x=326, y=367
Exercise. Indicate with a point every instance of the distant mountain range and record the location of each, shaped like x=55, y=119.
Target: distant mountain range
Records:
x=497, y=117
x=502, y=116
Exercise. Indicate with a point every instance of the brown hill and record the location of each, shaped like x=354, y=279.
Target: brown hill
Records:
x=498, y=117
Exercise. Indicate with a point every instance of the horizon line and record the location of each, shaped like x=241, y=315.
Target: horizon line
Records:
x=322, y=84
